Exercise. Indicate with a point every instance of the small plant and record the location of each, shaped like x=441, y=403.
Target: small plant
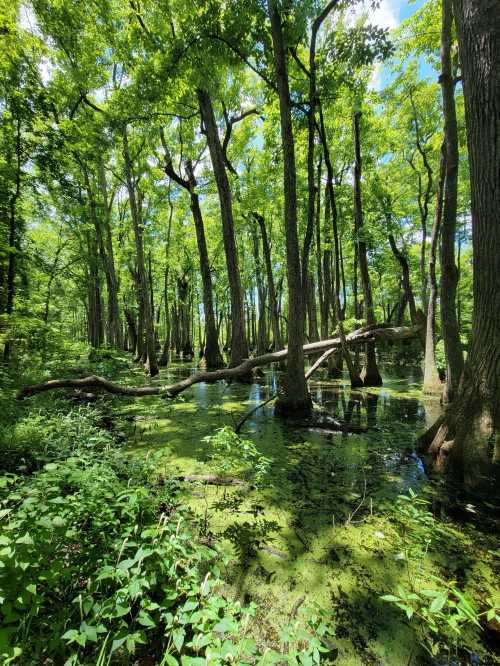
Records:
x=441, y=613
x=229, y=453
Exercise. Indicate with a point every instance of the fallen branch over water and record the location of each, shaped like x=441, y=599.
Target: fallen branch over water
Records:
x=361, y=336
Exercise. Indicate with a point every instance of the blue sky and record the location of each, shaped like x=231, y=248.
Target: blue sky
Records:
x=390, y=14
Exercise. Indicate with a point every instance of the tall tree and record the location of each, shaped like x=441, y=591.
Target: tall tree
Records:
x=449, y=271
x=213, y=357
x=145, y=304
x=468, y=440
x=371, y=375
x=239, y=346
x=295, y=399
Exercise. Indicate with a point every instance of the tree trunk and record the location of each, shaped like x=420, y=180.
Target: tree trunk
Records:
x=114, y=327
x=467, y=441
x=183, y=313
x=273, y=303
x=295, y=399
x=361, y=336
x=416, y=316
x=449, y=273
x=132, y=330
x=213, y=357
x=311, y=310
x=432, y=382
x=239, y=347
x=145, y=303
x=261, y=293
x=165, y=352
x=370, y=375
x=13, y=240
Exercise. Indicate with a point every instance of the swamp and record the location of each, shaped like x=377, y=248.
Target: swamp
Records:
x=249, y=332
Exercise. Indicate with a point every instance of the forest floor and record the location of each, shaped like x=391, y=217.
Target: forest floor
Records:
x=334, y=522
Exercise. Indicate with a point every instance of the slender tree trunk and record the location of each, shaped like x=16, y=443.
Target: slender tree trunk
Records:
x=273, y=303
x=467, y=441
x=371, y=375
x=295, y=399
x=335, y=365
x=261, y=294
x=416, y=316
x=145, y=303
x=319, y=257
x=94, y=294
x=132, y=330
x=165, y=352
x=213, y=357
x=432, y=382
x=449, y=273
x=13, y=240
x=424, y=198
x=311, y=310
x=184, y=308
x=114, y=324
x=239, y=347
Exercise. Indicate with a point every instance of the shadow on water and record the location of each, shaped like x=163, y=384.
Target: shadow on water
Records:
x=312, y=530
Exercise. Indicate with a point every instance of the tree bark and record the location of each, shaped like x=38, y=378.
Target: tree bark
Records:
x=273, y=302
x=13, y=239
x=295, y=399
x=467, y=441
x=416, y=316
x=262, y=341
x=432, y=383
x=213, y=357
x=370, y=375
x=449, y=272
x=114, y=328
x=239, y=346
x=144, y=300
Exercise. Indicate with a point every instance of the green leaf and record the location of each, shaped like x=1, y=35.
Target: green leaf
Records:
x=438, y=602
x=226, y=625
x=178, y=636
x=170, y=660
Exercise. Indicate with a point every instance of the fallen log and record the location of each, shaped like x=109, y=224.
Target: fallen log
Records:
x=361, y=336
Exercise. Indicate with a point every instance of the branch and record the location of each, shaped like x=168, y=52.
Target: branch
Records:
x=168, y=164
x=361, y=336
x=230, y=122
x=247, y=62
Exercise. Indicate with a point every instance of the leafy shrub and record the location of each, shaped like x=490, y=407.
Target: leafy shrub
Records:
x=99, y=565
x=41, y=437
x=445, y=618
x=229, y=452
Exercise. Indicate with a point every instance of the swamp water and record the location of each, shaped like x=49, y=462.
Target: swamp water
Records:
x=321, y=530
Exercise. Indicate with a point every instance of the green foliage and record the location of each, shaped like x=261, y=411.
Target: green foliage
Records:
x=229, y=453
x=445, y=618
x=40, y=438
x=99, y=564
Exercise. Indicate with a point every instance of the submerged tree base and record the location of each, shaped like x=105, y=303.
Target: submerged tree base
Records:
x=288, y=407
x=465, y=443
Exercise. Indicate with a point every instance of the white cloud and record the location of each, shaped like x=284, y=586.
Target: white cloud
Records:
x=386, y=15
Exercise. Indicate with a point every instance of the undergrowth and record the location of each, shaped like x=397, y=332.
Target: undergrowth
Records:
x=99, y=564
